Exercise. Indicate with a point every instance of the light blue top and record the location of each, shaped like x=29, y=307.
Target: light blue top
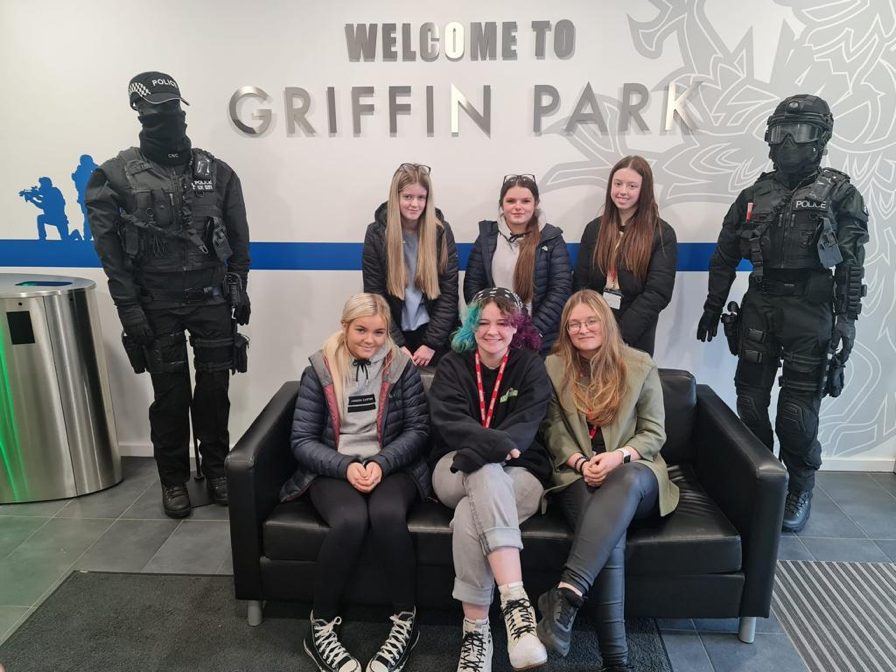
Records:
x=413, y=313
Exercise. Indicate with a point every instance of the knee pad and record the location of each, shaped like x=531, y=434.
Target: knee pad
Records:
x=212, y=354
x=167, y=354
x=750, y=410
x=796, y=423
x=803, y=375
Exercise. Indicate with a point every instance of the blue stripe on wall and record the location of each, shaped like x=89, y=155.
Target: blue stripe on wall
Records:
x=277, y=256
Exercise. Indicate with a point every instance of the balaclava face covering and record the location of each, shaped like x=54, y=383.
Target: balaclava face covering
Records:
x=164, y=136
x=795, y=161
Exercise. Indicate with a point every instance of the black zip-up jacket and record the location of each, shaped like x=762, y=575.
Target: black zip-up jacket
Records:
x=521, y=406
x=402, y=426
x=641, y=301
x=552, y=278
x=443, y=316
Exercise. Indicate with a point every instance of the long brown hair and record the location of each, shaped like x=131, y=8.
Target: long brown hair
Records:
x=524, y=271
x=634, y=250
x=598, y=383
x=430, y=262
x=335, y=350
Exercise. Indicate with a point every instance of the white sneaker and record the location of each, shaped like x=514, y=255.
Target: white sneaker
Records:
x=325, y=649
x=476, y=647
x=523, y=646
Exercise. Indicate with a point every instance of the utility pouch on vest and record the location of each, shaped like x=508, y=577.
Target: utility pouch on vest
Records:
x=130, y=236
x=167, y=354
x=828, y=250
x=135, y=352
x=219, y=240
x=730, y=323
x=240, y=352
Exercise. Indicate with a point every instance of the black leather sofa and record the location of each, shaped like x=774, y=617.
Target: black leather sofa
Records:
x=714, y=557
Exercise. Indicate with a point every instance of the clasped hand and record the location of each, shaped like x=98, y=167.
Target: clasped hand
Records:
x=596, y=470
x=364, y=478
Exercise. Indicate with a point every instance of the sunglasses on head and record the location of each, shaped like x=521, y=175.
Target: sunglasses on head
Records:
x=523, y=177
x=422, y=167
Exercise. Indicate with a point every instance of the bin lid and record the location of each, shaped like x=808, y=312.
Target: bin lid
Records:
x=25, y=285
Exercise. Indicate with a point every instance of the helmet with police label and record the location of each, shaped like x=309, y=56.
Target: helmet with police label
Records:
x=803, y=117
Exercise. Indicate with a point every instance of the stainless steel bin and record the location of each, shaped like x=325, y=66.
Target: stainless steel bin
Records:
x=57, y=432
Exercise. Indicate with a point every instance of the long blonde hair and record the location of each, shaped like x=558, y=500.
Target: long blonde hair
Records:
x=430, y=261
x=336, y=353
x=597, y=384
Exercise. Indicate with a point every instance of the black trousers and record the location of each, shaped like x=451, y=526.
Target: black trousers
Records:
x=351, y=515
x=169, y=414
x=414, y=339
x=796, y=331
x=600, y=517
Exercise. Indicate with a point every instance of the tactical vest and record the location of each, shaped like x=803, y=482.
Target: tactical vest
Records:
x=173, y=224
x=793, y=229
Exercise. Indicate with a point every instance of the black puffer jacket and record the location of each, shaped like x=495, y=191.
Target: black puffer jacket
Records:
x=552, y=277
x=402, y=426
x=641, y=301
x=443, y=316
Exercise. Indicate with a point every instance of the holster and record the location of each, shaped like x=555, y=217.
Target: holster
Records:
x=240, y=351
x=135, y=352
x=731, y=325
x=835, y=379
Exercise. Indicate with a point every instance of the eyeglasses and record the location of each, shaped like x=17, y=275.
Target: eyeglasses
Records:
x=422, y=167
x=590, y=325
x=523, y=177
x=799, y=132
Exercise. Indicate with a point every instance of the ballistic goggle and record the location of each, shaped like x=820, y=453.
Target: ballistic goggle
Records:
x=799, y=132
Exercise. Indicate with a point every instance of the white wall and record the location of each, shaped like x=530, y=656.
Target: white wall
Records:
x=65, y=68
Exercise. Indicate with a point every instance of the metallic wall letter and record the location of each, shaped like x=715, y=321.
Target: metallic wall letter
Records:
x=389, y=40
x=331, y=109
x=629, y=110
x=396, y=108
x=675, y=105
x=508, y=40
x=459, y=100
x=540, y=28
x=296, y=115
x=407, y=54
x=360, y=41
x=541, y=108
x=564, y=39
x=454, y=41
x=430, y=114
x=429, y=42
x=263, y=115
x=484, y=41
x=582, y=115
x=359, y=108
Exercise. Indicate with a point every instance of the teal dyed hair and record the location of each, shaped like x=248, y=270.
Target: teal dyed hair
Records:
x=464, y=339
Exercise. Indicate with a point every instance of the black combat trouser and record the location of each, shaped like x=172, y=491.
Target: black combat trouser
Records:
x=796, y=330
x=169, y=414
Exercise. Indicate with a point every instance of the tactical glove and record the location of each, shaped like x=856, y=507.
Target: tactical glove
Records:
x=135, y=324
x=243, y=310
x=843, y=337
x=709, y=324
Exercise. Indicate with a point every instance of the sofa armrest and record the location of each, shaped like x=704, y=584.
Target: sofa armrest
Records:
x=256, y=468
x=748, y=483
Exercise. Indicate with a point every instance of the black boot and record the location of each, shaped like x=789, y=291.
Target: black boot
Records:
x=395, y=651
x=616, y=668
x=558, y=608
x=176, y=501
x=796, y=510
x=325, y=649
x=217, y=488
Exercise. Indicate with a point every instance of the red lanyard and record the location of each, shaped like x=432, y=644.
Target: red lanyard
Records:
x=592, y=430
x=487, y=417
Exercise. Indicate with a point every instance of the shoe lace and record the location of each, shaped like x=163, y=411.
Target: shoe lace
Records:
x=564, y=611
x=327, y=643
x=472, y=651
x=397, y=641
x=795, y=500
x=519, y=617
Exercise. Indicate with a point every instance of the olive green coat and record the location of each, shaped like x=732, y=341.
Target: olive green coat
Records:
x=640, y=424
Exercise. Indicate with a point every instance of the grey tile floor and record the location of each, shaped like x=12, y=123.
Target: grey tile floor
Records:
x=124, y=529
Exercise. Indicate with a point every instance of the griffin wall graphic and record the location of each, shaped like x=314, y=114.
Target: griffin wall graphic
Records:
x=846, y=53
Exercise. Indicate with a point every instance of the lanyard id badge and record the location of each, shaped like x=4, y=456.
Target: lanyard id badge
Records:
x=613, y=297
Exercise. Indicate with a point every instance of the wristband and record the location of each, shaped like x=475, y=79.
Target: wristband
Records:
x=578, y=465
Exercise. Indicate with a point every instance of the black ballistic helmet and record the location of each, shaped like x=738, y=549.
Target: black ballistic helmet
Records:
x=803, y=116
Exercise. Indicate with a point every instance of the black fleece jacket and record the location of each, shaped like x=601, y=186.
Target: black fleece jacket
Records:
x=443, y=315
x=521, y=406
x=641, y=301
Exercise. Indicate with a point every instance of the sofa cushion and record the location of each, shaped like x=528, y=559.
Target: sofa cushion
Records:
x=695, y=539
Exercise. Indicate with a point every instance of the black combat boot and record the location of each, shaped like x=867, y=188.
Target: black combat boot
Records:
x=217, y=488
x=176, y=501
x=796, y=510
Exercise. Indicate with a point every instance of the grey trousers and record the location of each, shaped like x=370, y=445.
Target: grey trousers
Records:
x=489, y=506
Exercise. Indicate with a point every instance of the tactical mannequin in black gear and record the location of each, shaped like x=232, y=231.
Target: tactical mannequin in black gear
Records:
x=794, y=224
x=169, y=226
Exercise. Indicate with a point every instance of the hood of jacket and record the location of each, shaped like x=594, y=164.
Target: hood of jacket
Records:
x=393, y=366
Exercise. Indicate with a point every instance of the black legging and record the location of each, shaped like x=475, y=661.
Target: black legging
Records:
x=601, y=517
x=350, y=514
